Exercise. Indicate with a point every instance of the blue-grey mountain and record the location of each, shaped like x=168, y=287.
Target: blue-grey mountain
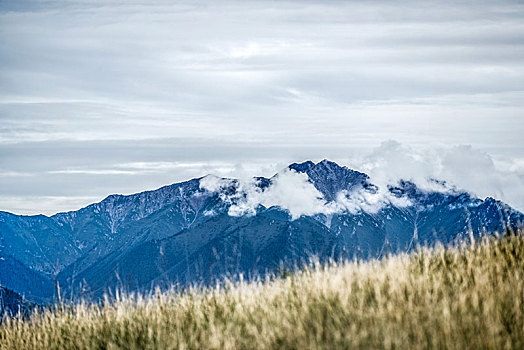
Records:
x=185, y=233
x=12, y=304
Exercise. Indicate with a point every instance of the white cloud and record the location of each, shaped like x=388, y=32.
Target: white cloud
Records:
x=361, y=200
x=291, y=191
x=14, y=174
x=93, y=172
x=294, y=192
x=213, y=183
x=462, y=167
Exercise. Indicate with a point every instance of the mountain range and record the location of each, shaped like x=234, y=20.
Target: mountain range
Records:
x=12, y=303
x=201, y=230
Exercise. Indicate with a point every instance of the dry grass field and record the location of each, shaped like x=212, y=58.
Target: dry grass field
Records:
x=470, y=297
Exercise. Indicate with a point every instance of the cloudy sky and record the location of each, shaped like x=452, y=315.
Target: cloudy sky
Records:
x=100, y=97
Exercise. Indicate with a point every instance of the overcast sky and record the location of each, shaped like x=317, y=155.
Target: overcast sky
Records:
x=100, y=97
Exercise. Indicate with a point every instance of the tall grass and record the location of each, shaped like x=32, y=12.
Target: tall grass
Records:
x=470, y=297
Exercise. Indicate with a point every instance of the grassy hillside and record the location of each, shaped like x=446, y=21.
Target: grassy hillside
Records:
x=472, y=297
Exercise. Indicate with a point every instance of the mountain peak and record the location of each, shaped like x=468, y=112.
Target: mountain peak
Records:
x=329, y=177
x=302, y=167
x=324, y=164
x=328, y=163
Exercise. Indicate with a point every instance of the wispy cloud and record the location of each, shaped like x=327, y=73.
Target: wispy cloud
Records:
x=94, y=172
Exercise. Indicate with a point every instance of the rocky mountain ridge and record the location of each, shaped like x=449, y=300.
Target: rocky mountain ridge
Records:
x=205, y=228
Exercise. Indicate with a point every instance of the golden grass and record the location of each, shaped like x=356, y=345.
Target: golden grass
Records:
x=464, y=298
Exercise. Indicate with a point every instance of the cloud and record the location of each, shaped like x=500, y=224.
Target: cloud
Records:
x=370, y=202
x=93, y=172
x=456, y=168
x=289, y=190
x=113, y=70
x=294, y=193
x=462, y=167
x=32, y=204
x=213, y=183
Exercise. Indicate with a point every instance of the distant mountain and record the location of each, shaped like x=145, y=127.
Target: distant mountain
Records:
x=35, y=285
x=205, y=228
x=12, y=303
